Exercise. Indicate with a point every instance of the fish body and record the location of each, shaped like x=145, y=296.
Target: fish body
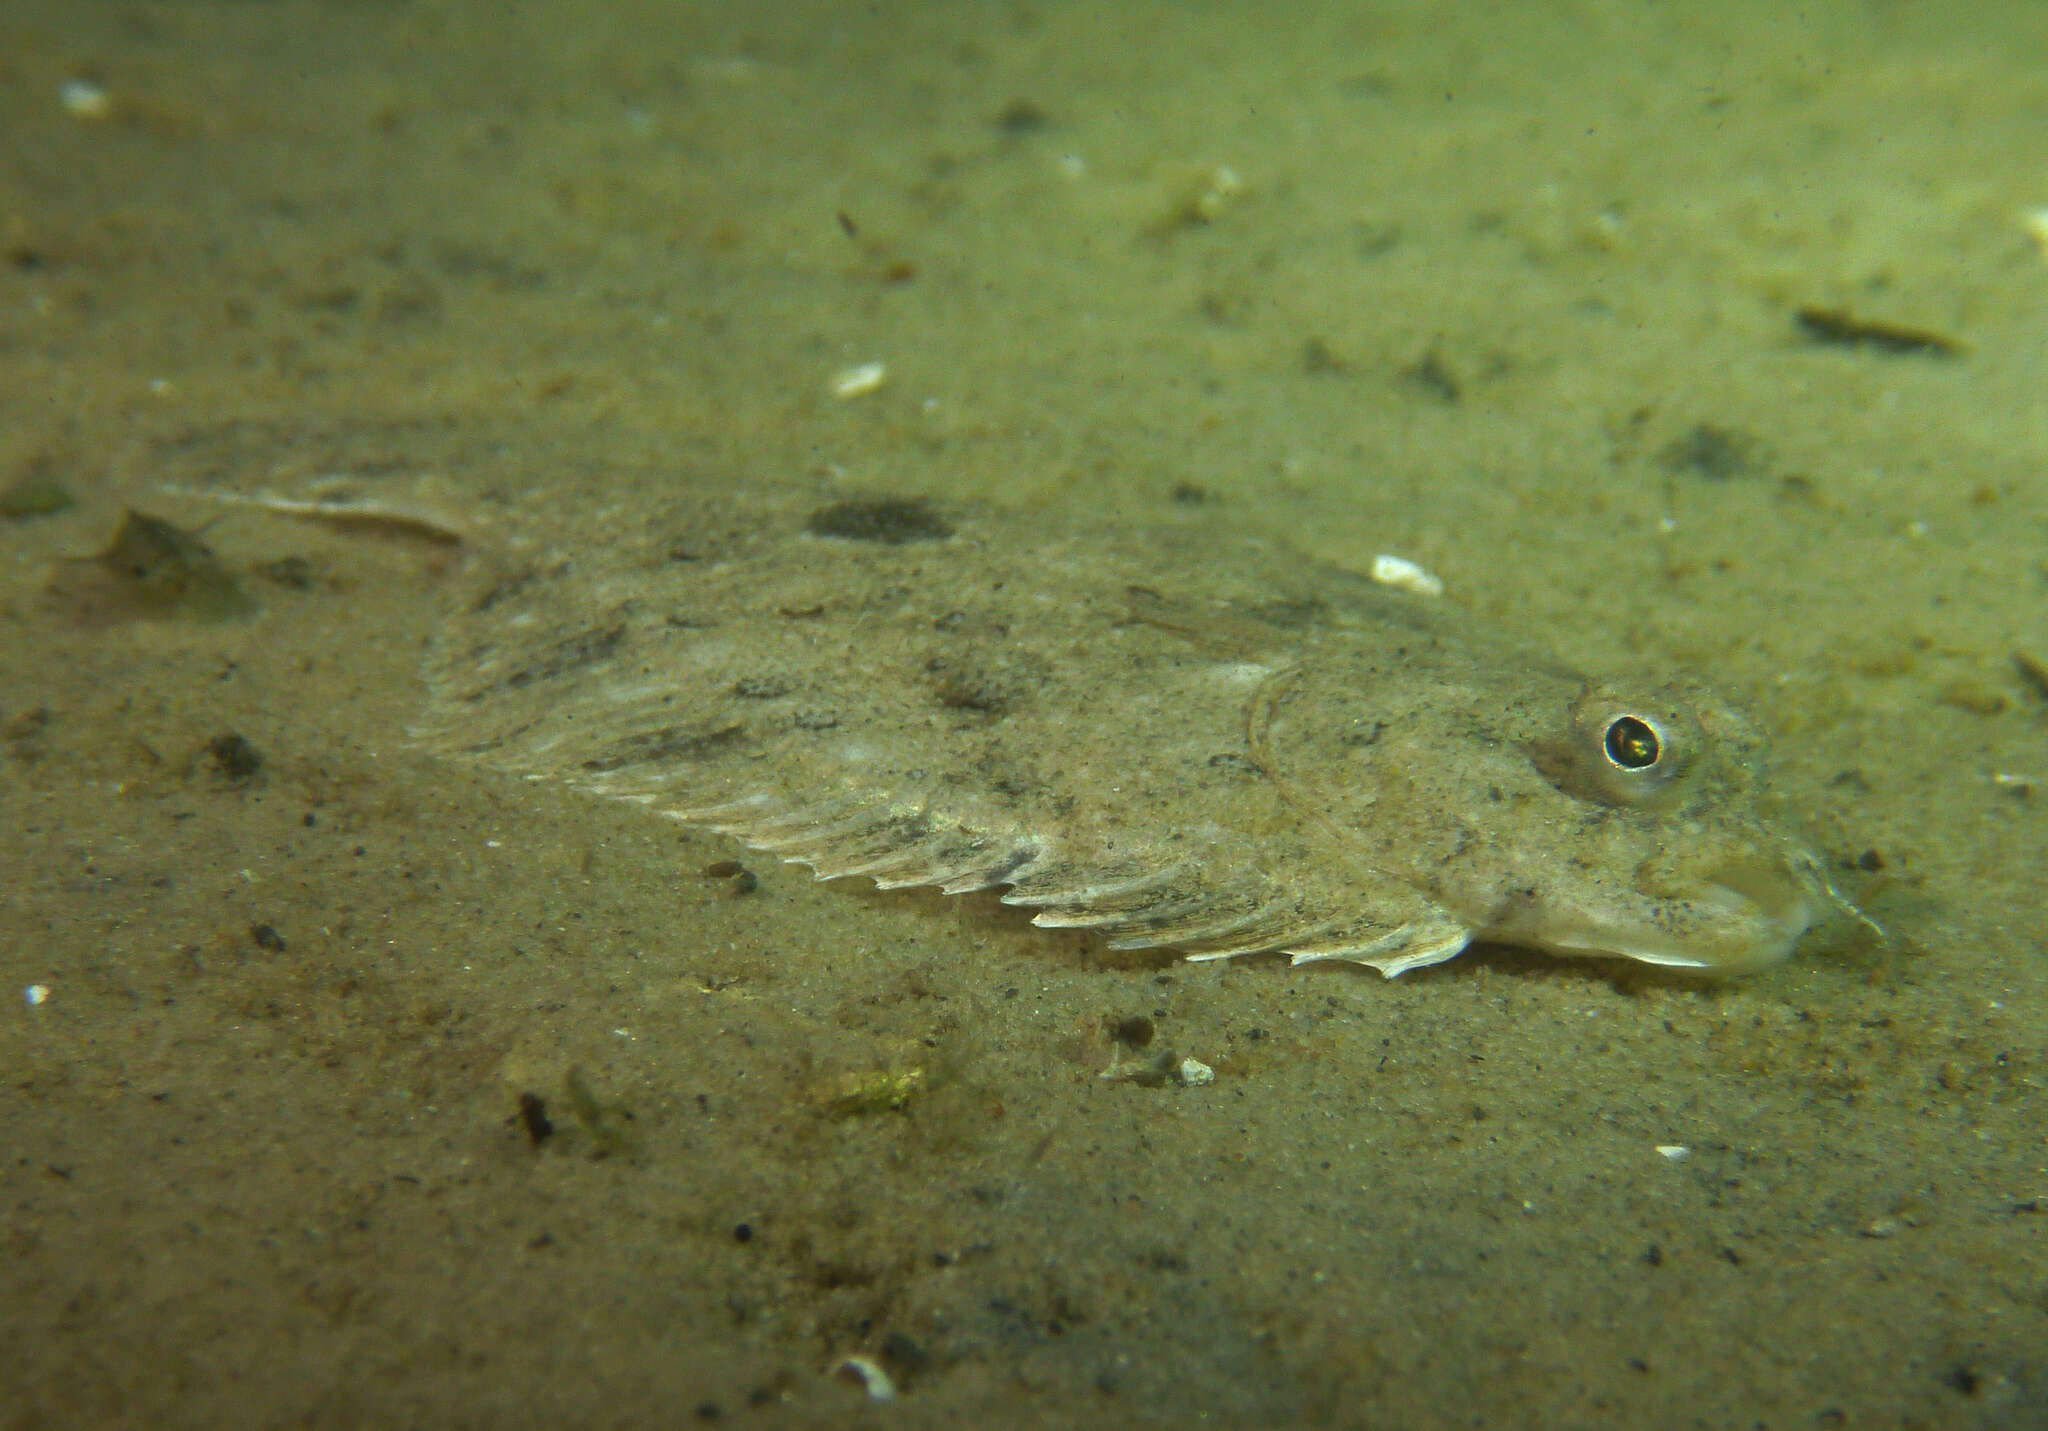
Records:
x=1180, y=742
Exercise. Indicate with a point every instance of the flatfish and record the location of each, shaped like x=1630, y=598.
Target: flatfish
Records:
x=1175, y=742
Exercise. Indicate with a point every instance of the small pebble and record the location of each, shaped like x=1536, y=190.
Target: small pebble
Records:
x=1405, y=575
x=858, y=382
x=36, y=994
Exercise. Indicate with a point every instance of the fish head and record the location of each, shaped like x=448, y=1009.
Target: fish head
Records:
x=1652, y=843
x=1579, y=818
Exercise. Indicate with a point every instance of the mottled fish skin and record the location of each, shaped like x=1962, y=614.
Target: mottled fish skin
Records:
x=1175, y=739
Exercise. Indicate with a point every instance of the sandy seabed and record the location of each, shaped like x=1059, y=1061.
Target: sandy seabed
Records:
x=288, y=1008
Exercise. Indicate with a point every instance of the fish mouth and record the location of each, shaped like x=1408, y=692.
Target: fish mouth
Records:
x=1781, y=892
x=1736, y=916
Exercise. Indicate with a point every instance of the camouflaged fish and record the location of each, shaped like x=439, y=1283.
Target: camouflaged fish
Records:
x=1177, y=744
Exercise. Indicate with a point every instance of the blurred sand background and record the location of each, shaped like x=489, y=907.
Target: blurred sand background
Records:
x=1509, y=290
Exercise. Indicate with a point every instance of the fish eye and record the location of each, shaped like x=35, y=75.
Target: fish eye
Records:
x=1633, y=743
x=1622, y=748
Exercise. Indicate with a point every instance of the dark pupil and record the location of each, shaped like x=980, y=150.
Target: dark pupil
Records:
x=1632, y=744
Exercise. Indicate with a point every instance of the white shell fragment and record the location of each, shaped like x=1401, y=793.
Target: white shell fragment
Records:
x=858, y=382
x=36, y=994
x=1405, y=575
x=1193, y=1073
x=870, y=1374
x=1675, y=1152
x=1222, y=188
x=2035, y=222
x=85, y=99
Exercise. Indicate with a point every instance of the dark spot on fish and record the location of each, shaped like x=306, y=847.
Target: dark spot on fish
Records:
x=760, y=688
x=1012, y=864
x=908, y=830
x=970, y=689
x=1012, y=785
x=293, y=573
x=1362, y=735
x=892, y=521
x=971, y=694
x=1290, y=615
x=583, y=649
x=504, y=590
x=669, y=743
